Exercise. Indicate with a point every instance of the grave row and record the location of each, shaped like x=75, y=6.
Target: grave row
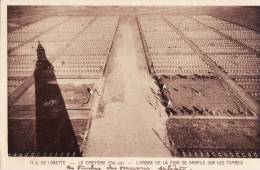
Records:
x=239, y=65
x=24, y=66
x=85, y=56
x=165, y=46
x=217, y=153
x=89, y=66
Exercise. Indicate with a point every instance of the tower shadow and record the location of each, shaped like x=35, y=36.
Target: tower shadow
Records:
x=54, y=131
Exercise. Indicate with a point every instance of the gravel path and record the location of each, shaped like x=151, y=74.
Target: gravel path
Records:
x=131, y=111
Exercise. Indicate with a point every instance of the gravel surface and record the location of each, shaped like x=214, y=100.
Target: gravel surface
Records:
x=129, y=114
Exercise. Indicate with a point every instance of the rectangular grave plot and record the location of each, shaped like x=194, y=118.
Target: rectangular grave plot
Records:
x=29, y=136
x=57, y=112
x=214, y=137
x=74, y=96
x=205, y=97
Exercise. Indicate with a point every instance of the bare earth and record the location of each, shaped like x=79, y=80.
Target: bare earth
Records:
x=131, y=109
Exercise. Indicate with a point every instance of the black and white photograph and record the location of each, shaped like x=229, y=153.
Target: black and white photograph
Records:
x=133, y=81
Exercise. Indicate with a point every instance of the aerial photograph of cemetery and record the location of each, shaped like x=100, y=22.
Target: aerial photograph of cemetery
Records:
x=133, y=81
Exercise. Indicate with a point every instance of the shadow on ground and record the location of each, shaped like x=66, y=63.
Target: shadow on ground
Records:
x=54, y=132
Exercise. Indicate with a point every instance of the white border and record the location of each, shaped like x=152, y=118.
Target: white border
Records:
x=136, y=2
x=13, y=163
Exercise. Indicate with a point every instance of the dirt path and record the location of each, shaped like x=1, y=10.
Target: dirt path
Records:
x=131, y=111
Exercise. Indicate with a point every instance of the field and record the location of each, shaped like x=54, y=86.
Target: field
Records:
x=203, y=97
x=48, y=62
x=195, y=140
x=193, y=76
